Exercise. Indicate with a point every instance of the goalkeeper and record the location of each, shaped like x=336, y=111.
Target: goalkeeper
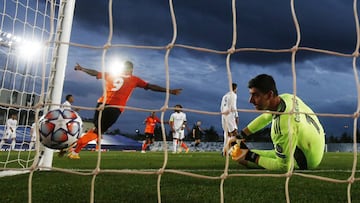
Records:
x=297, y=133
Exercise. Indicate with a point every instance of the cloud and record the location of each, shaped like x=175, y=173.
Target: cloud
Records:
x=323, y=81
x=208, y=24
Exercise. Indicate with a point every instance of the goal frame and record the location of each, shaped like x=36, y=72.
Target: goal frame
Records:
x=60, y=54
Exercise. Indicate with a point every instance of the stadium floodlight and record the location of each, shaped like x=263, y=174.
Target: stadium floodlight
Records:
x=25, y=48
x=116, y=66
x=28, y=50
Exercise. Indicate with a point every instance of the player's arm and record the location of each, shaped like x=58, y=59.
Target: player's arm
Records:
x=259, y=122
x=91, y=72
x=158, y=88
x=184, y=126
x=171, y=123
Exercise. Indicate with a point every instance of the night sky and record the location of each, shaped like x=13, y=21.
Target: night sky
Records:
x=325, y=82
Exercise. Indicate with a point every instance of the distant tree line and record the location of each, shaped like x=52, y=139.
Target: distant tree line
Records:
x=344, y=138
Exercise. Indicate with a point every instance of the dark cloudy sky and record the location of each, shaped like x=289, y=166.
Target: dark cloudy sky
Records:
x=325, y=82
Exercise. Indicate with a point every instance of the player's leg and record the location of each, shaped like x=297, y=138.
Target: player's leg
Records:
x=183, y=144
x=81, y=143
x=13, y=142
x=13, y=139
x=87, y=137
x=231, y=126
x=109, y=117
x=2, y=142
x=311, y=147
x=225, y=134
x=197, y=142
x=143, y=147
x=32, y=142
x=151, y=140
x=4, y=138
x=145, y=143
x=175, y=141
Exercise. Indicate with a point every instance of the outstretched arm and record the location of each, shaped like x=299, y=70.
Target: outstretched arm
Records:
x=157, y=88
x=85, y=70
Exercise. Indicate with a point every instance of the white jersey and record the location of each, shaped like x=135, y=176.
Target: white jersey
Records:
x=229, y=112
x=11, y=125
x=178, y=119
x=228, y=104
x=66, y=105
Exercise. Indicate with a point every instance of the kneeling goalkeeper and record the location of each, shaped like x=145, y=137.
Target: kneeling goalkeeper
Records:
x=295, y=130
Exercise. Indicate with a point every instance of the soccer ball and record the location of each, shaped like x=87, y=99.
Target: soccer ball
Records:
x=60, y=128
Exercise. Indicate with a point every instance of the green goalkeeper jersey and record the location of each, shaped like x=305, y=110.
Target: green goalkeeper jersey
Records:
x=297, y=128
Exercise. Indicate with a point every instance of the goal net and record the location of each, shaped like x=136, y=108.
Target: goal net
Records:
x=34, y=45
x=31, y=75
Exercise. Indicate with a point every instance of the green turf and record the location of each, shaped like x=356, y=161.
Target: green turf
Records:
x=57, y=186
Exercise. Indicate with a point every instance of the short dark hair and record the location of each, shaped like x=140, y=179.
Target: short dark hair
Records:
x=264, y=83
x=68, y=96
x=234, y=86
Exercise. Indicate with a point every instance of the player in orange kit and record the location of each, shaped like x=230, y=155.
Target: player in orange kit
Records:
x=150, y=123
x=118, y=90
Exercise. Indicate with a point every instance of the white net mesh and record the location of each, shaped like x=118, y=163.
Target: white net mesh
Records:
x=26, y=61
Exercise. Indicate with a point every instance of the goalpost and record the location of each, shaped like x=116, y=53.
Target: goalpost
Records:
x=32, y=85
x=34, y=37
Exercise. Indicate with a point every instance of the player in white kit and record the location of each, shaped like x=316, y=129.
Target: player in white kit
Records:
x=178, y=124
x=10, y=131
x=229, y=115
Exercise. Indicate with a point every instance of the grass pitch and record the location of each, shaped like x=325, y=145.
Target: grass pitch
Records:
x=131, y=177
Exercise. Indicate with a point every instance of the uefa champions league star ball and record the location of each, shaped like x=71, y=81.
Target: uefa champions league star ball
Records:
x=60, y=128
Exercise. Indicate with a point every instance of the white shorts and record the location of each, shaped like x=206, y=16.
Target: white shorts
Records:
x=179, y=134
x=8, y=134
x=228, y=122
